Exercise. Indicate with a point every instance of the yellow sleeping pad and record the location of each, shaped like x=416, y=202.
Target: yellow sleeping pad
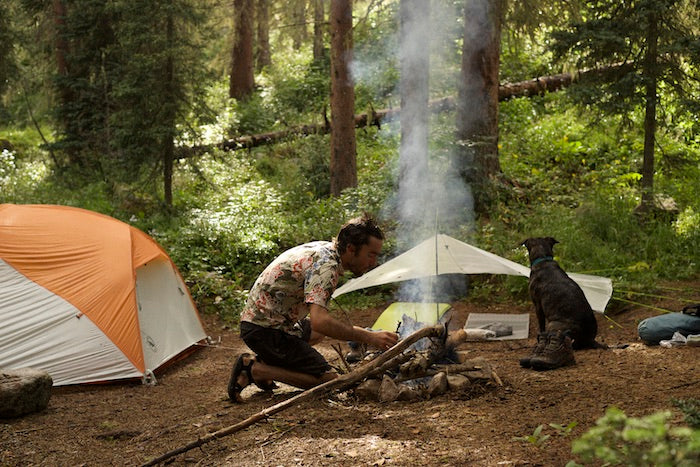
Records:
x=428, y=313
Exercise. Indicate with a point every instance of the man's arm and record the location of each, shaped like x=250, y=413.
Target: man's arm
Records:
x=324, y=323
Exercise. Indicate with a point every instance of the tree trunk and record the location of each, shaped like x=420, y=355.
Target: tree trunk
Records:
x=59, y=21
x=343, y=165
x=169, y=117
x=241, y=84
x=650, y=76
x=65, y=95
x=477, y=107
x=414, y=183
x=299, y=29
x=263, y=57
x=319, y=27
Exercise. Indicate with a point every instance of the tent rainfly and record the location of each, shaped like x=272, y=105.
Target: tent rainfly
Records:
x=443, y=254
x=88, y=298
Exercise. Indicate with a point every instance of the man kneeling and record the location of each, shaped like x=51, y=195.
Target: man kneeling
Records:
x=287, y=311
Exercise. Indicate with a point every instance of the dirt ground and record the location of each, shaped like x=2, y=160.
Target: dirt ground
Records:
x=130, y=424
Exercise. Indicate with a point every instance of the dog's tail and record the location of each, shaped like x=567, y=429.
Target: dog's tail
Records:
x=591, y=344
x=599, y=345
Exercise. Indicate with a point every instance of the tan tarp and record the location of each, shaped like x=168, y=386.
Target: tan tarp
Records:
x=443, y=254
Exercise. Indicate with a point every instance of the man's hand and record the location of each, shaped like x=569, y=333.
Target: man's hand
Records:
x=382, y=340
x=322, y=322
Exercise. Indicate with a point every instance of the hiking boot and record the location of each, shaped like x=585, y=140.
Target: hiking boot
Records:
x=542, y=339
x=557, y=353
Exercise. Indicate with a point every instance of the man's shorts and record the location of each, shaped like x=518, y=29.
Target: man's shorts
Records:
x=277, y=348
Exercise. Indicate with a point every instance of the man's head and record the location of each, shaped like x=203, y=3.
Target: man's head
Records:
x=359, y=243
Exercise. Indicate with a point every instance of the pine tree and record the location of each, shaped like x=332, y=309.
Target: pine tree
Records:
x=154, y=85
x=6, y=44
x=343, y=165
x=656, y=40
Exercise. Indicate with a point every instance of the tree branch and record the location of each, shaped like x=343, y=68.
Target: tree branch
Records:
x=341, y=383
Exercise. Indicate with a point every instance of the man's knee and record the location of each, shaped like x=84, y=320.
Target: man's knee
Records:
x=315, y=338
x=329, y=376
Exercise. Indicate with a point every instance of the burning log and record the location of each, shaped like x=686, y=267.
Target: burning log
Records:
x=428, y=373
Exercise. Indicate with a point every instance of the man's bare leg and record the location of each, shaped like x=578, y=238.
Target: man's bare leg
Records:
x=293, y=378
x=263, y=372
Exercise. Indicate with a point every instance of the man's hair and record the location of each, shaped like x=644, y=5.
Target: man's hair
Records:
x=357, y=232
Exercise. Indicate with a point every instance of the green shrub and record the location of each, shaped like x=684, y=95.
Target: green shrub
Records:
x=617, y=439
x=254, y=115
x=691, y=410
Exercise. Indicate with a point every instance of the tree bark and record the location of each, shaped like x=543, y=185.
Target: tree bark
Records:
x=65, y=95
x=59, y=21
x=477, y=108
x=299, y=30
x=414, y=189
x=263, y=57
x=319, y=27
x=169, y=117
x=343, y=164
x=650, y=76
x=242, y=82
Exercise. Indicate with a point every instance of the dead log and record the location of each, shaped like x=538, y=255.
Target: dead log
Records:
x=533, y=87
x=341, y=383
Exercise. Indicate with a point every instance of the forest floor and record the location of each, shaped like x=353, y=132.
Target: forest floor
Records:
x=130, y=424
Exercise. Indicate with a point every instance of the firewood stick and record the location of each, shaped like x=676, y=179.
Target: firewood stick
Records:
x=471, y=366
x=339, y=351
x=496, y=378
x=461, y=367
x=341, y=382
x=393, y=363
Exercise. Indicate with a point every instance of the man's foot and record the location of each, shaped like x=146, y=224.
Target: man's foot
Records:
x=265, y=385
x=240, y=376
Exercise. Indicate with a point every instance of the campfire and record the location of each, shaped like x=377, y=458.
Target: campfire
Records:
x=430, y=367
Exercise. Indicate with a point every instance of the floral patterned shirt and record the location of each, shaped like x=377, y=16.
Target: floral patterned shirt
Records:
x=300, y=276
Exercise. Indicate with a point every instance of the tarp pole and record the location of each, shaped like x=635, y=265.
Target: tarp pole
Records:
x=435, y=298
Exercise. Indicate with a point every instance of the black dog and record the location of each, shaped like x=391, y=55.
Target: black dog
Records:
x=559, y=301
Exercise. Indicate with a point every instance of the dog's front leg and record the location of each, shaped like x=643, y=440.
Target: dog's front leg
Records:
x=539, y=312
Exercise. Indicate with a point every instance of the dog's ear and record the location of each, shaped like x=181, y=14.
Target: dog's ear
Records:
x=525, y=243
x=552, y=241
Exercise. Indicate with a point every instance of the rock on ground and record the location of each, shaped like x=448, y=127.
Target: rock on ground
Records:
x=24, y=391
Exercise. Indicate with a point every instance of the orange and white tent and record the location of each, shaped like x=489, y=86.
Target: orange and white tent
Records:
x=88, y=298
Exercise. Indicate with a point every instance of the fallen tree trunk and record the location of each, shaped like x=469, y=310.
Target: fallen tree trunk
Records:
x=342, y=382
x=529, y=88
